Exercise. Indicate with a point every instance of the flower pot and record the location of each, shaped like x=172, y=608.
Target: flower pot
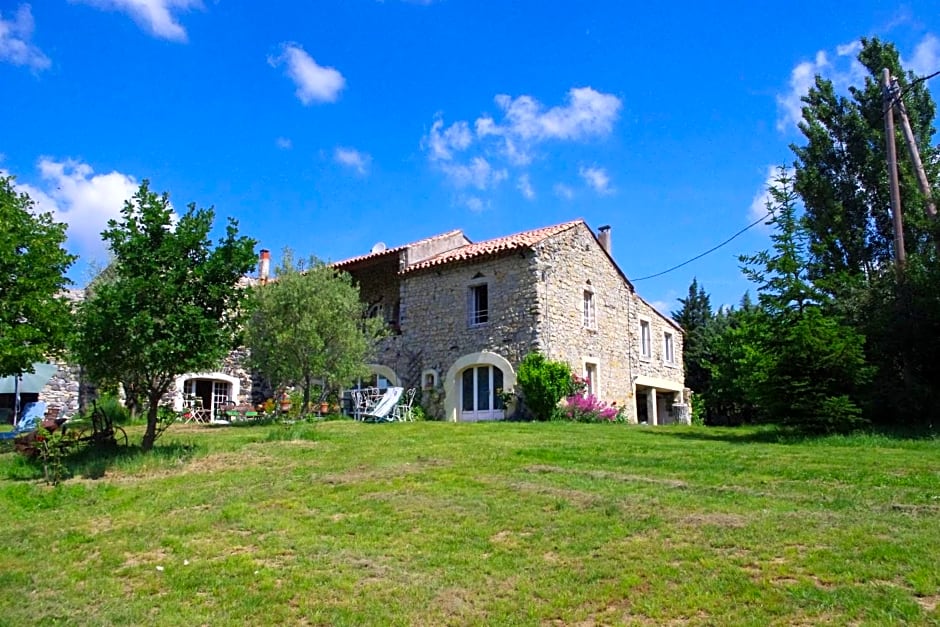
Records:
x=324, y=408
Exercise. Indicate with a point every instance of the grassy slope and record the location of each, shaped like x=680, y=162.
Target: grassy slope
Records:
x=429, y=523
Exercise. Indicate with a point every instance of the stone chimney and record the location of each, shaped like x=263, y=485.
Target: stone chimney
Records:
x=264, y=265
x=603, y=236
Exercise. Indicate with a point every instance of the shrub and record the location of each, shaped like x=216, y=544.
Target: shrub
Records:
x=543, y=383
x=587, y=408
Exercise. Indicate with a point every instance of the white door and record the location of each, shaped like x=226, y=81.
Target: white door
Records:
x=221, y=394
x=478, y=396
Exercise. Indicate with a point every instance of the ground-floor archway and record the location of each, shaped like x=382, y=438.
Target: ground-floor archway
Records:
x=213, y=390
x=472, y=386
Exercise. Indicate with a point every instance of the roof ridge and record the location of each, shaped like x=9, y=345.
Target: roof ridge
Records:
x=395, y=249
x=495, y=245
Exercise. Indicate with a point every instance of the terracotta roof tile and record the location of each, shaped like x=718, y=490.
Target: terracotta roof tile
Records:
x=498, y=245
x=391, y=251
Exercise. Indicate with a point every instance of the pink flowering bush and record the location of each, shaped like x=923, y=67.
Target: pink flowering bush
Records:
x=587, y=408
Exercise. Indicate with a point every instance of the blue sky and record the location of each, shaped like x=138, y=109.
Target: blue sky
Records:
x=329, y=126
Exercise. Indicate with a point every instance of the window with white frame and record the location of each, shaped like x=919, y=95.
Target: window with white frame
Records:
x=589, y=312
x=478, y=305
x=646, y=344
x=669, y=348
x=590, y=378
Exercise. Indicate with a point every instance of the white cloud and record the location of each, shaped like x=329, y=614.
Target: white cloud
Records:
x=588, y=113
x=802, y=78
x=443, y=143
x=473, y=203
x=156, y=16
x=74, y=194
x=844, y=70
x=661, y=306
x=563, y=191
x=926, y=59
x=524, y=185
x=597, y=178
x=477, y=173
x=352, y=158
x=16, y=46
x=758, y=208
x=284, y=143
x=480, y=154
x=315, y=83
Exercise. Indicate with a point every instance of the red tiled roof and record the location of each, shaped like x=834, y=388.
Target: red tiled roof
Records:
x=391, y=251
x=525, y=239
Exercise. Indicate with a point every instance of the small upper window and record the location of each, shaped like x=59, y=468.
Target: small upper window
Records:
x=669, y=348
x=646, y=346
x=589, y=312
x=479, y=305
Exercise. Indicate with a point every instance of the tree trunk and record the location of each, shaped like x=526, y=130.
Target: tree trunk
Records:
x=306, y=404
x=150, y=435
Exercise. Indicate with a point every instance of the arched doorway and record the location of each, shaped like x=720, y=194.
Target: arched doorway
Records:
x=214, y=389
x=479, y=393
x=472, y=387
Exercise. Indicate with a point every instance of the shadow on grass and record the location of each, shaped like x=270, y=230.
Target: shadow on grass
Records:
x=96, y=462
x=776, y=434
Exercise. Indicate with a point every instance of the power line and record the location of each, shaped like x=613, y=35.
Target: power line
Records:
x=900, y=93
x=710, y=250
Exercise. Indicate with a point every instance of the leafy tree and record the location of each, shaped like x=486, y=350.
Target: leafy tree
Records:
x=35, y=318
x=815, y=363
x=735, y=363
x=543, y=383
x=170, y=306
x=841, y=177
x=841, y=173
x=694, y=317
x=309, y=326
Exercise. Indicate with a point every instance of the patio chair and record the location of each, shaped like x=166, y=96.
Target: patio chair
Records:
x=28, y=422
x=402, y=411
x=382, y=411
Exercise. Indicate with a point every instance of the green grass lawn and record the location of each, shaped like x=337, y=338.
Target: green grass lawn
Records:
x=343, y=523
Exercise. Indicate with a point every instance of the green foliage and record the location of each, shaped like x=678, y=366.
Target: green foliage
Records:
x=694, y=316
x=51, y=449
x=813, y=364
x=841, y=172
x=308, y=326
x=543, y=384
x=34, y=318
x=110, y=405
x=841, y=177
x=735, y=363
x=170, y=305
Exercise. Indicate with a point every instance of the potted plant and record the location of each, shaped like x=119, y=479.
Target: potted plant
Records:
x=285, y=402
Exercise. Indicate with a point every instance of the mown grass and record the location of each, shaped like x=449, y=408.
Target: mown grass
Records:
x=344, y=523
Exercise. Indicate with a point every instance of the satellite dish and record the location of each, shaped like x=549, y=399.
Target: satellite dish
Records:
x=379, y=247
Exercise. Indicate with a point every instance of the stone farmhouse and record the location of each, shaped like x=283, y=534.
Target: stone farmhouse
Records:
x=463, y=315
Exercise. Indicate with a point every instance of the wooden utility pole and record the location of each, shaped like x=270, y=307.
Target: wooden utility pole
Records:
x=900, y=256
x=914, y=153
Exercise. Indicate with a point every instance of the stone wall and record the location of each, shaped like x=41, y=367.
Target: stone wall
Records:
x=536, y=302
x=572, y=263
x=436, y=328
x=63, y=390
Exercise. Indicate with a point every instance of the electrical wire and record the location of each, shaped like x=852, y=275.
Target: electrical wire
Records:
x=710, y=250
x=899, y=97
x=895, y=100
